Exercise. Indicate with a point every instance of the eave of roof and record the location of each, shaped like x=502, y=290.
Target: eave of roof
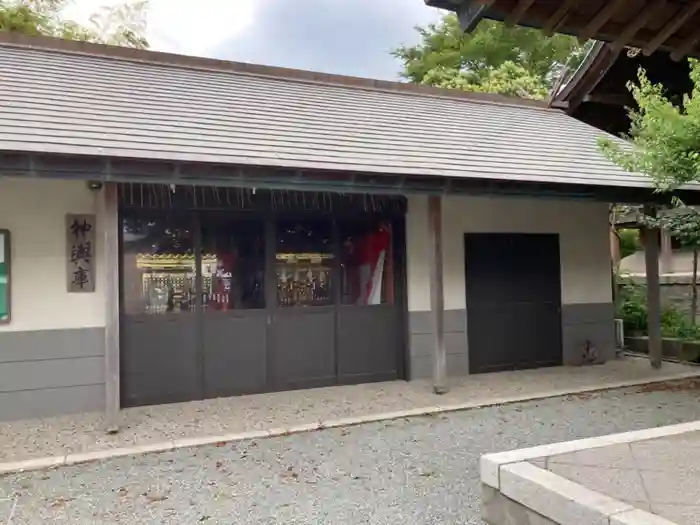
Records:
x=591, y=71
x=669, y=25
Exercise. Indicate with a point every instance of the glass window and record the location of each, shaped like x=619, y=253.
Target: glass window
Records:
x=233, y=264
x=367, y=263
x=304, y=263
x=158, y=266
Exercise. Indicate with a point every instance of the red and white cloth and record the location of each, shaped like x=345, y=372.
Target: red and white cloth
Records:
x=371, y=256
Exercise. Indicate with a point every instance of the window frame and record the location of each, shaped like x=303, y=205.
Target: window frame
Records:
x=270, y=221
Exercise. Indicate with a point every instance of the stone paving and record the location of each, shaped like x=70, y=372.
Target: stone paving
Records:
x=661, y=476
x=408, y=471
x=148, y=425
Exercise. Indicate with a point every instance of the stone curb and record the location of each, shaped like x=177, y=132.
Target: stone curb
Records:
x=567, y=503
x=559, y=499
x=150, y=448
x=562, y=500
x=491, y=465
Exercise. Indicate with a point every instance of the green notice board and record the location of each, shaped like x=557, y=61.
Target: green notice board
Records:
x=4, y=276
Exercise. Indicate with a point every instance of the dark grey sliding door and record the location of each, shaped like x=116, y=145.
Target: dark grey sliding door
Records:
x=219, y=304
x=369, y=343
x=369, y=327
x=160, y=361
x=234, y=321
x=234, y=353
x=303, y=312
x=304, y=353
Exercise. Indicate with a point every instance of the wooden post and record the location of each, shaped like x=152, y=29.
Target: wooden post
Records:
x=110, y=229
x=651, y=259
x=666, y=252
x=437, y=298
x=615, y=253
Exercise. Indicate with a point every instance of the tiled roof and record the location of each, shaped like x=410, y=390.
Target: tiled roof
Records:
x=150, y=105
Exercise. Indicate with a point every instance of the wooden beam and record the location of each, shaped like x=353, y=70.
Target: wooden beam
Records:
x=110, y=231
x=612, y=99
x=686, y=47
x=541, y=14
x=516, y=14
x=673, y=25
x=599, y=20
x=641, y=20
x=559, y=17
x=557, y=104
x=651, y=260
x=471, y=12
x=596, y=65
x=437, y=296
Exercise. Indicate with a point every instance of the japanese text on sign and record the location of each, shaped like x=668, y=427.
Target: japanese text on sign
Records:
x=80, y=235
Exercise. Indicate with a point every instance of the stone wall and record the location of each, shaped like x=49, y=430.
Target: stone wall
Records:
x=676, y=291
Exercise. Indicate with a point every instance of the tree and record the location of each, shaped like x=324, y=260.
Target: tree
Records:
x=664, y=139
x=121, y=25
x=685, y=226
x=664, y=144
x=493, y=58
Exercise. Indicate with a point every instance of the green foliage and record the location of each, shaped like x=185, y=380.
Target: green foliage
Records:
x=493, y=58
x=676, y=325
x=682, y=221
x=664, y=143
x=665, y=138
x=632, y=309
x=121, y=25
x=629, y=241
x=507, y=79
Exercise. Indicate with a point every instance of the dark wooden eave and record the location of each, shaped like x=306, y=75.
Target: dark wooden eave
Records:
x=188, y=174
x=651, y=25
x=597, y=94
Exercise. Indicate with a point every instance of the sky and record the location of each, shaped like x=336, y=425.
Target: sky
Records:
x=351, y=37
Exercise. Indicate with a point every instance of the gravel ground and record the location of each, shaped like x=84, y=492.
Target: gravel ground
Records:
x=411, y=471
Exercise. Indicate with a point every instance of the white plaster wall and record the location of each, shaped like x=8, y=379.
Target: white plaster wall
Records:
x=34, y=212
x=583, y=237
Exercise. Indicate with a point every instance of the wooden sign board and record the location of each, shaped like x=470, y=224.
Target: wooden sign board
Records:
x=80, y=253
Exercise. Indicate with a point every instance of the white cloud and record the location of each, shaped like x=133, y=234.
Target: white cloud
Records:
x=176, y=26
x=353, y=37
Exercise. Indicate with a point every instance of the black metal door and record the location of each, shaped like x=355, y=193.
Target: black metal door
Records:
x=513, y=291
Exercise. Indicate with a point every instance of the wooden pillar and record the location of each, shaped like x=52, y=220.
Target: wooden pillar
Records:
x=110, y=242
x=666, y=252
x=615, y=254
x=651, y=259
x=437, y=297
